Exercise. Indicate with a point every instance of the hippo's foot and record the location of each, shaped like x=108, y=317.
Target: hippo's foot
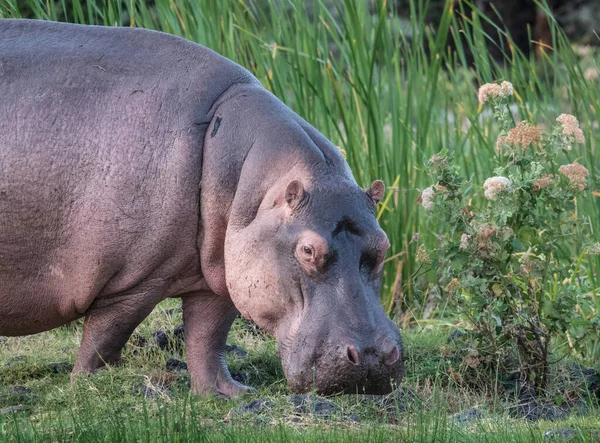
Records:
x=207, y=318
x=223, y=388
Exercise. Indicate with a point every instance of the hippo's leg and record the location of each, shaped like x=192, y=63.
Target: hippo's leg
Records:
x=207, y=318
x=109, y=322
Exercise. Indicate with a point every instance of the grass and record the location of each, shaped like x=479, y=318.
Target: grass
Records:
x=111, y=406
x=390, y=91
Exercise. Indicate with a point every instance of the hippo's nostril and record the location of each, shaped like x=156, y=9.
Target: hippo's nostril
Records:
x=392, y=357
x=353, y=355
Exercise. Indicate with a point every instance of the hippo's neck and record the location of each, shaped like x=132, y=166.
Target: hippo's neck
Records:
x=254, y=144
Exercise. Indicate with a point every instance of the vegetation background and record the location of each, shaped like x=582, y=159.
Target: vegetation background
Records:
x=390, y=83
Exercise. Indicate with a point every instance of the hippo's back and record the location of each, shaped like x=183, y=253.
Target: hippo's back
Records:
x=101, y=133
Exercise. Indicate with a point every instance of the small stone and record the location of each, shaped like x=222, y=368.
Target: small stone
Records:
x=589, y=377
x=455, y=335
x=162, y=339
x=564, y=434
x=533, y=411
x=579, y=408
x=138, y=341
x=523, y=391
x=172, y=312
x=16, y=394
x=257, y=406
x=236, y=350
x=401, y=400
x=14, y=360
x=176, y=365
x=179, y=333
x=10, y=409
x=311, y=404
x=468, y=416
x=21, y=393
x=62, y=367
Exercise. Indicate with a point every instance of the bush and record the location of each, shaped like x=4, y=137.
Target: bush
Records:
x=497, y=263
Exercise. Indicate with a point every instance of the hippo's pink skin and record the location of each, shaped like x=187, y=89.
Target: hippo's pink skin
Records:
x=136, y=166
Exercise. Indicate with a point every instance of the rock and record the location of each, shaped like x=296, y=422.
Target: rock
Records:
x=179, y=333
x=176, y=365
x=579, y=408
x=588, y=377
x=16, y=394
x=10, y=409
x=523, y=391
x=240, y=376
x=257, y=406
x=3, y=340
x=21, y=394
x=564, y=434
x=14, y=360
x=171, y=312
x=534, y=411
x=21, y=390
x=311, y=404
x=455, y=335
x=236, y=350
x=62, y=367
x=162, y=339
x=401, y=400
x=138, y=341
x=169, y=341
x=468, y=416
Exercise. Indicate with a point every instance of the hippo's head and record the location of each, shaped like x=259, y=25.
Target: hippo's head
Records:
x=308, y=269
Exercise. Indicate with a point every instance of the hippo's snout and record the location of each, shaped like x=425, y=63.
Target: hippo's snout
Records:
x=368, y=368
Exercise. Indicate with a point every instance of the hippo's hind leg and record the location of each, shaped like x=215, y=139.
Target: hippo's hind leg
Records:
x=109, y=322
x=207, y=318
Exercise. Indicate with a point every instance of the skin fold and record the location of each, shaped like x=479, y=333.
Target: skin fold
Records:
x=137, y=166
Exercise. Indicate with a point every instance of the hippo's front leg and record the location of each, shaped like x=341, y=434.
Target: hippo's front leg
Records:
x=207, y=318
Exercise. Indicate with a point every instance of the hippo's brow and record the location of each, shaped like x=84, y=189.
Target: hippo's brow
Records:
x=347, y=224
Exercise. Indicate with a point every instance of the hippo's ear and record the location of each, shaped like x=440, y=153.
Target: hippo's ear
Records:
x=294, y=194
x=376, y=191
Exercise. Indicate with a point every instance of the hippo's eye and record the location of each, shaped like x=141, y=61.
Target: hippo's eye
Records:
x=369, y=261
x=307, y=250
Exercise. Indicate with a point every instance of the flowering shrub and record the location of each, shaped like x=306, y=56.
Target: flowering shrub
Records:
x=512, y=266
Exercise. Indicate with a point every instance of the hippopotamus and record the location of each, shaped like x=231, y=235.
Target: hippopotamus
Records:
x=137, y=166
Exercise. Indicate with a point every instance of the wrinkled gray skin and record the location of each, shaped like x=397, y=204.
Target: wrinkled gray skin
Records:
x=136, y=166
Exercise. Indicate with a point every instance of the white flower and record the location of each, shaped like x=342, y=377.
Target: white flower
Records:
x=427, y=198
x=593, y=249
x=493, y=90
x=465, y=240
x=570, y=126
x=494, y=185
x=506, y=89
